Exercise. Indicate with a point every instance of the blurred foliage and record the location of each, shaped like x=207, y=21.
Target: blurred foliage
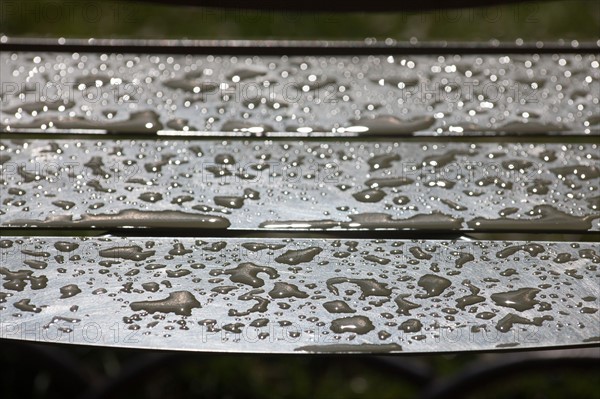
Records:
x=549, y=20
x=32, y=373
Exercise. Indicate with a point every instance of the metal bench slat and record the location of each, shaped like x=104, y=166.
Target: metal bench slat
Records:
x=274, y=295
x=287, y=295
x=378, y=93
x=290, y=185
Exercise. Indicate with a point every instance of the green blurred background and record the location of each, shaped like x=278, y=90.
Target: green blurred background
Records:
x=288, y=376
x=545, y=20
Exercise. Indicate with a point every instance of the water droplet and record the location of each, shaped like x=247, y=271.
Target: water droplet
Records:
x=179, y=302
x=354, y=324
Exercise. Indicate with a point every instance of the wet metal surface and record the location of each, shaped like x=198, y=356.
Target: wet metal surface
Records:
x=284, y=295
x=298, y=294
x=339, y=95
x=294, y=185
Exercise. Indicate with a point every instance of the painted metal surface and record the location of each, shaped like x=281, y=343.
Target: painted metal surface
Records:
x=279, y=295
x=342, y=95
x=284, y=295
x=288, y=185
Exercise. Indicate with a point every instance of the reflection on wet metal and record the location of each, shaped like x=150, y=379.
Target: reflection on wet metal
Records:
x=298, y=295
x=335, y=185
x=359, y=95
x=285, y=295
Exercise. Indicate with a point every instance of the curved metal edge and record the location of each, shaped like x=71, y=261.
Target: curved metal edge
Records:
x=304, y=47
